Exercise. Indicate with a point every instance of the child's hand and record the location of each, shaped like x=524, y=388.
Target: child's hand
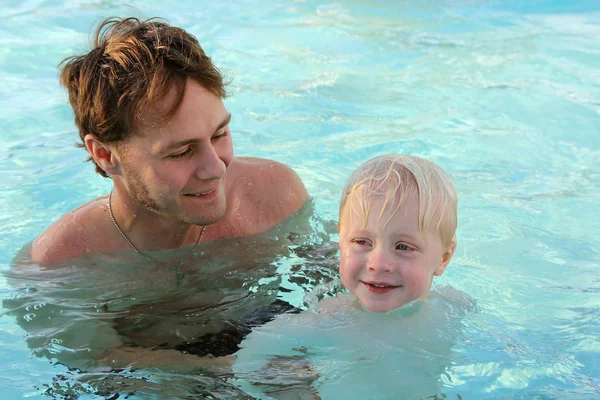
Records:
x=288, y=377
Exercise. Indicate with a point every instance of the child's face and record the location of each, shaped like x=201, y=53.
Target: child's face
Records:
x=386, y=267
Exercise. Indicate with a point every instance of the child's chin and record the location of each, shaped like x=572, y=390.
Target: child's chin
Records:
x=380, y=308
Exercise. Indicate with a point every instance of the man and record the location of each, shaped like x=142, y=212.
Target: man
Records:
x=148, y=105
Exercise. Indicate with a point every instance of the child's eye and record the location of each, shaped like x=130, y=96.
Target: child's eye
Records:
x=177, y=156
x=402, y=247
x=361, y=242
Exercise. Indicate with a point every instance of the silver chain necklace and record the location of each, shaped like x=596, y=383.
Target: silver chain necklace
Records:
x=112, y=217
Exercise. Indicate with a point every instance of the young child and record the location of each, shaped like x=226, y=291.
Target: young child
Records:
x=397, y=230
x=398, y=217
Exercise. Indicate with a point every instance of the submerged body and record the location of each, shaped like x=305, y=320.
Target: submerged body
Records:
x=114, y=310
x=341, y=350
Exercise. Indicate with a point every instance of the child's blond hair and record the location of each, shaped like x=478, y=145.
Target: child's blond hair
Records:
x=398, y=177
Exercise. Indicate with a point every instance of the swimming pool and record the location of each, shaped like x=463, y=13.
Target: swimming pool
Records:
x=505, y=97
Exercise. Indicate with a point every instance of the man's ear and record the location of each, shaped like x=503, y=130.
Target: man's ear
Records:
x=104, y=155
x=445, y=260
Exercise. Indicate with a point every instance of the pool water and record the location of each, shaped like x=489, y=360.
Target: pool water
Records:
x=505, y=96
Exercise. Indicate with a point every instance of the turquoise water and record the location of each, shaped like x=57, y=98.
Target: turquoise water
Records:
x=504, y=96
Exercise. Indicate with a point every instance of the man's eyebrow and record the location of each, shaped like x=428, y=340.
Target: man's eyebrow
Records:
x=175, y=145
x=225, y=122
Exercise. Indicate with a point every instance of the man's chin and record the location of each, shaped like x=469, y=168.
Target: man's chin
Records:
x=202, y=220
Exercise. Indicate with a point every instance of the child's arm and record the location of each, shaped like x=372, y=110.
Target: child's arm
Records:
x=273, y=361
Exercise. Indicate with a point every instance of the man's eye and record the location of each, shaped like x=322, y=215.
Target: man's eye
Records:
x=180, y=155
x=221, y=135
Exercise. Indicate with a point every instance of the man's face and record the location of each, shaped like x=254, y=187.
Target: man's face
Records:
x=388, y=266
x=178, y=168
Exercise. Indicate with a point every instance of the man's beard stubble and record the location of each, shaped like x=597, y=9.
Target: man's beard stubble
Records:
x=138, y=189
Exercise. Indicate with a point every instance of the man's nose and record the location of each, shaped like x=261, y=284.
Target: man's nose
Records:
x=210, y=165
x=380, y=260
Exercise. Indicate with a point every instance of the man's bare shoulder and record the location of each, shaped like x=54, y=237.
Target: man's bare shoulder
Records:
x=272, y=183
x=255, y=164
x=267, y=189
x=72, y=234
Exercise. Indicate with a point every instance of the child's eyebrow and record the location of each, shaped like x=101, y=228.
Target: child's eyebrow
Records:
x=410, y=237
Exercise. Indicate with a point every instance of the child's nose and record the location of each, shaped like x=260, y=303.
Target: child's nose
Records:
x=380, y=260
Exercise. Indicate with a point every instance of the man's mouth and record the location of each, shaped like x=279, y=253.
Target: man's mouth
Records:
x=204, y=194
x=199, y=194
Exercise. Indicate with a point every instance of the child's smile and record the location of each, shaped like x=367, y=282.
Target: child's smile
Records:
x=380, y=287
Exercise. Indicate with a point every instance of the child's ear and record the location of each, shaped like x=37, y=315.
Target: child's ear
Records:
x=445, y=260
x=103, y=154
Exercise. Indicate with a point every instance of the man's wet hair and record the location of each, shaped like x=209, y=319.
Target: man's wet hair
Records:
x=133, y=64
